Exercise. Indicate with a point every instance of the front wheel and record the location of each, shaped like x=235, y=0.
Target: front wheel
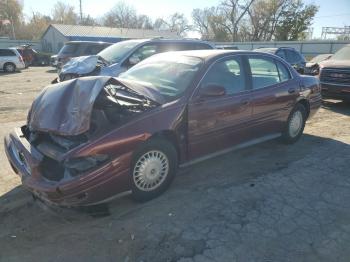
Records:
x=153, y=169
x=295, y=125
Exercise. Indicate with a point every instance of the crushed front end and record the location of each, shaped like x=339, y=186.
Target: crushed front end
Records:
x=58, y=154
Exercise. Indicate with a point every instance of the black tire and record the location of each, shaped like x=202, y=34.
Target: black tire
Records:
x=9, y=67
x=287, y=136
x=153, y=145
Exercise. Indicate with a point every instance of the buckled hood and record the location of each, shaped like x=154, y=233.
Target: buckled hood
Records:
x=80, y=65
x=65, y=108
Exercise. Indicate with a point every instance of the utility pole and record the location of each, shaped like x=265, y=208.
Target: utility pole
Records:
x=81, y=11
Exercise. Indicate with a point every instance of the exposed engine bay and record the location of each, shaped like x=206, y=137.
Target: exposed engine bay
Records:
x=114, y=105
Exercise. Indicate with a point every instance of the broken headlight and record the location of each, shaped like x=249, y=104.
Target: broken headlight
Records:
x=82, y=164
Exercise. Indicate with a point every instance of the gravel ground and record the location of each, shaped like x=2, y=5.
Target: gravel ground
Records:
x=269, y=202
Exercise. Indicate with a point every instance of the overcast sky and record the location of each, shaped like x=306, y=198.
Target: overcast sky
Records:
x=331, y=12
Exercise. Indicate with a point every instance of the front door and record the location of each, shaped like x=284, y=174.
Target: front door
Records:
x=216, y=123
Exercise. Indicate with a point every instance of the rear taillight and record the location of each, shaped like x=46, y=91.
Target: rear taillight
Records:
x=20, y=58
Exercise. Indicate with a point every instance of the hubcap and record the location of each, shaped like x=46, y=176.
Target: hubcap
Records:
x=295, y=124
x=9, y=68
x=150, y=170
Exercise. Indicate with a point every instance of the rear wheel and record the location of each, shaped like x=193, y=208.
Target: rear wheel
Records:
x=10, y=67
x=295, y=125
x=153, y=169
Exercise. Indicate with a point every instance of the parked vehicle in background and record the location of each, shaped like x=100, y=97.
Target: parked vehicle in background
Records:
x=292, y=56
x=90, y=138
x=11, y=60
x=123, y=55
x=312, y=67
x=33, y=57
x=78, y=48
x=335, y=75
x=53, y=60
x=27, y=54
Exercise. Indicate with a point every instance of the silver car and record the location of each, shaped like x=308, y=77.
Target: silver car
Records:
x=11, y=60
x=121, y=56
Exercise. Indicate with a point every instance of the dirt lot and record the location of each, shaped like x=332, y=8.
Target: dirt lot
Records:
x=269, y=202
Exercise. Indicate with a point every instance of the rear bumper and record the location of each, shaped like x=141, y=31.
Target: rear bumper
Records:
x=335, y=91
x=89, y=188
x=20, y=66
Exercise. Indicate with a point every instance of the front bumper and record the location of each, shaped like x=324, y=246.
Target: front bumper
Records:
x=89, y=188
x=335, y=91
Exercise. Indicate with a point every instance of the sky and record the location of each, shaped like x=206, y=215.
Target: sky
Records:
x=331, y=12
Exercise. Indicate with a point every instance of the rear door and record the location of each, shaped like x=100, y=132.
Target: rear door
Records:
x=216, y=123
x=273, y=94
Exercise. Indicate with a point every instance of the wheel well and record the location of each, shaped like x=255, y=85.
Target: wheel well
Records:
x=170, y=137
x=306, y=104
x=9, y=63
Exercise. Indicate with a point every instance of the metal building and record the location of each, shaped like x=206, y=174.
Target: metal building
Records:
x=57, y=34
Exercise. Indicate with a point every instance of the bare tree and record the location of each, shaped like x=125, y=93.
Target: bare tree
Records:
x=64, y=14
x=201, y=19
x=11, y=14
x=122, y=15
x=234, y=11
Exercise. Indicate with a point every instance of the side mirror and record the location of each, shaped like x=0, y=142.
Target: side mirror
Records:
x=133, y=60
x=212, y=90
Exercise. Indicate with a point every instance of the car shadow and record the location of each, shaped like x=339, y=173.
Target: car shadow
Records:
x=3, y=73
x=228, y=170
x=127, y=225
x=337, y=106
x=51, y=71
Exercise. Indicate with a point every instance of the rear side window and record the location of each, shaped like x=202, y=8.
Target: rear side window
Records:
x=264, y=72
x=283, y=72
x=7, y=52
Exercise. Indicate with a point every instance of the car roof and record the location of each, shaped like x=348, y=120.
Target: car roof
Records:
x=212, y=53
x=87, y=42
x=169, y=40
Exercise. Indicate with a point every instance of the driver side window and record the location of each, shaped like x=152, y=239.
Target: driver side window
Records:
x=228, y=74
x=145, y=51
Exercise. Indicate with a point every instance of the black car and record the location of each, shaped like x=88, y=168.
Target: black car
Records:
x=77, y=48
x=289, y=54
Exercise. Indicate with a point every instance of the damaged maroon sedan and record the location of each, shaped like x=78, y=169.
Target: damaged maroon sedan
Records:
x=88, y=139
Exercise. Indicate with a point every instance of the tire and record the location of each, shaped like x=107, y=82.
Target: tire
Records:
x=9, y=67
x=153, y=168
x=295, y=125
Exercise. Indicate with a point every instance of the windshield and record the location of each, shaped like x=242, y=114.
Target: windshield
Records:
x=114, y=53
x=69, y=49
x=342, y=54
x=169, y=74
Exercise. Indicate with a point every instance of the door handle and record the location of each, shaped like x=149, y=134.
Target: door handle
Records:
x=291, y=90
